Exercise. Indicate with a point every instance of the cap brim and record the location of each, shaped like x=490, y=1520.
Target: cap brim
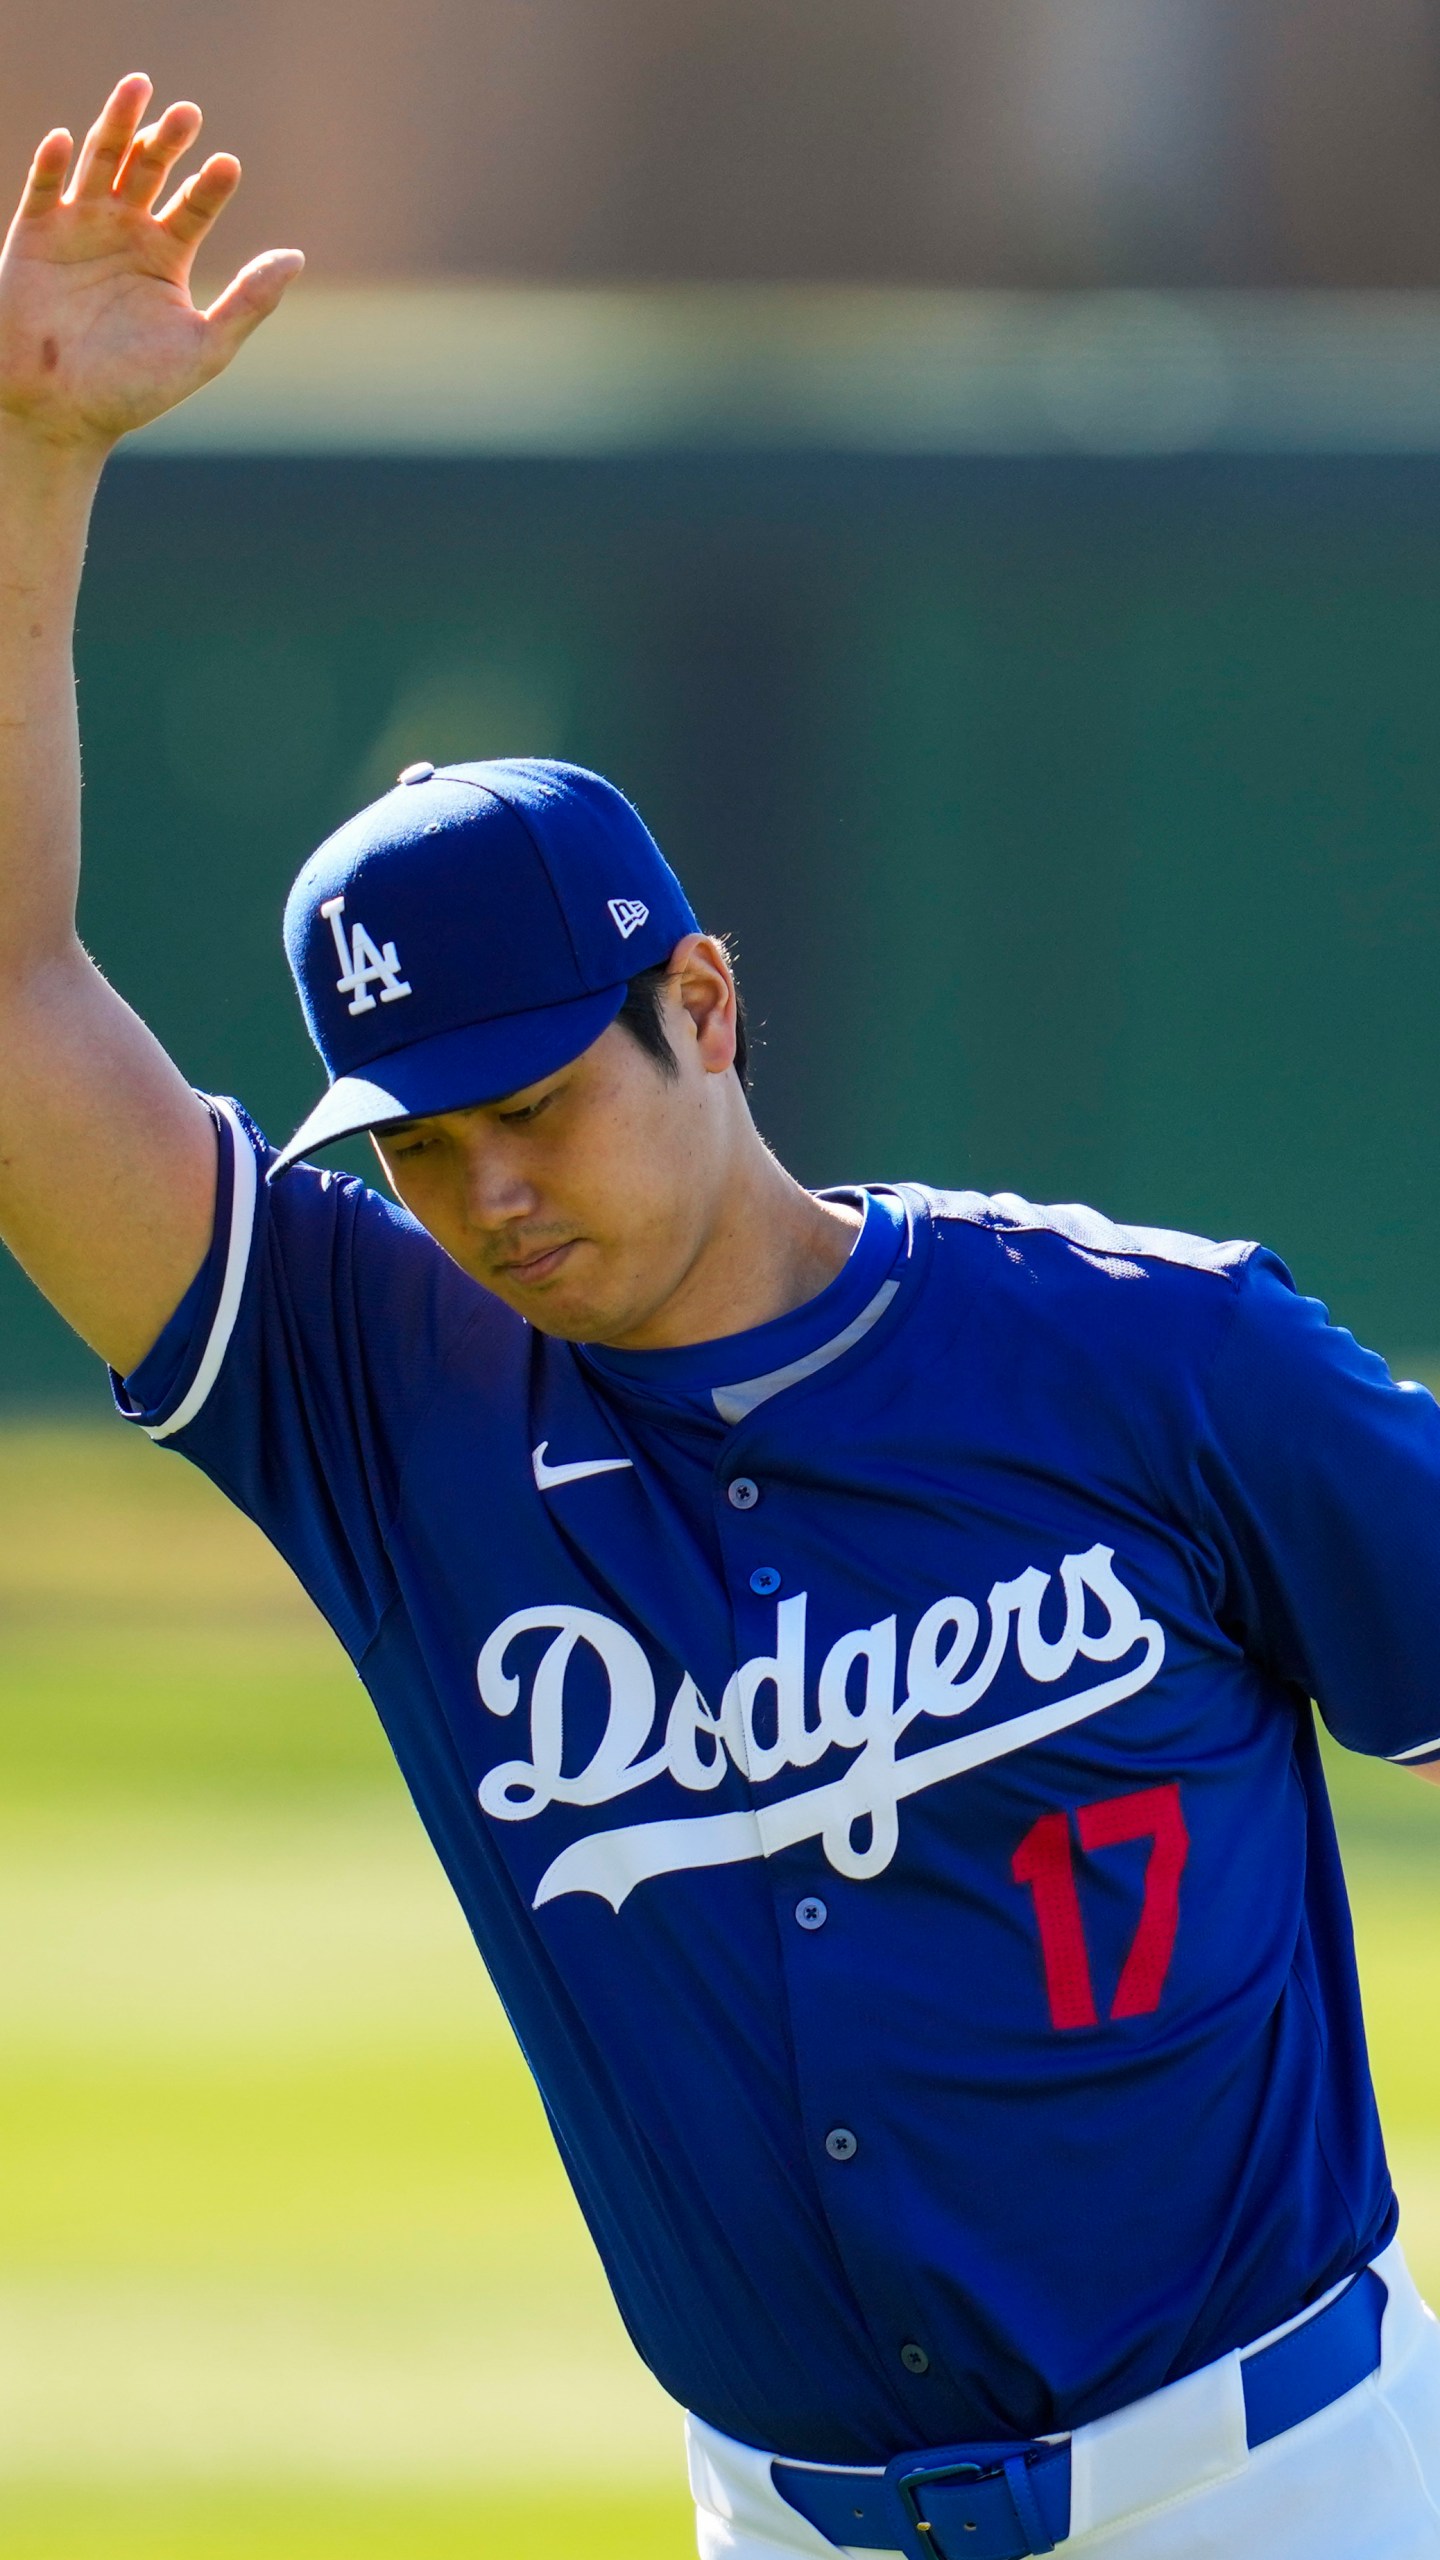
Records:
x=481, y=1063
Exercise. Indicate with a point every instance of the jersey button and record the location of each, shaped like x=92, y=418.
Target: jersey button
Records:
x=811, y=1912
x=742, y=1493
x=914, y=2358
x=841, y=2143
x=416, y=773
x=764, y=1580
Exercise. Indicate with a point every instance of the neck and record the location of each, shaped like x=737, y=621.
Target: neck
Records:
x=770, y=1247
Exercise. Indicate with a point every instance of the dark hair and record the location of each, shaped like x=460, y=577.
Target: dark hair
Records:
x=644, y=1020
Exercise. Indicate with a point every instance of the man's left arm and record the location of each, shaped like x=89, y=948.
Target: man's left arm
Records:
x=1319, y=1474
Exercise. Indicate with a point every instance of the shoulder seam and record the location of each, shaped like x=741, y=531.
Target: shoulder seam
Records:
x=1205, y=1385
x=1134, y=1244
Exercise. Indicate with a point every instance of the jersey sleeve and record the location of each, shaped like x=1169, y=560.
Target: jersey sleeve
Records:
x=1320, y=1476
x=301, y=1359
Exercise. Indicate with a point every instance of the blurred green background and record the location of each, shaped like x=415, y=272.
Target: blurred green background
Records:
x=970, y=469
x=1077, y=817
x=287, y=2262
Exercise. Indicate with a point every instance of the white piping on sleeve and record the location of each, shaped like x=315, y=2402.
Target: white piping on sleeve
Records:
x=1421, y=1751
x=237, y=1260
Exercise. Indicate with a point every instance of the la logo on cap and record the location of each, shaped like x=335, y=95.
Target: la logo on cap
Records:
x=363, y=965
x=494, y=880
x=629, y=914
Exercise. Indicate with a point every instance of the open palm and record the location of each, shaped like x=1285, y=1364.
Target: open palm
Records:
x=98, y=332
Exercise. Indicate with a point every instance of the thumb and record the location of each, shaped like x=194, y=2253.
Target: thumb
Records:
x=249, y=298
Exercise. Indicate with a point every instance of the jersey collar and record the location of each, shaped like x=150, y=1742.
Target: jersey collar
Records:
x=730, y=1377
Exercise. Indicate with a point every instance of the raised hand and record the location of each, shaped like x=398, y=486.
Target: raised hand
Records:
x=98, y=332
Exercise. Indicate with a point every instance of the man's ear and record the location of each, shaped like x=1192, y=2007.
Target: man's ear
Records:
x=702, y=985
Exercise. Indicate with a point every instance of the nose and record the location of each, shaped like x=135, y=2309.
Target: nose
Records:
x=496, y=1190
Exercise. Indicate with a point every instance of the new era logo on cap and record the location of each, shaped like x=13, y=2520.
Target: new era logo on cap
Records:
x=629, y=915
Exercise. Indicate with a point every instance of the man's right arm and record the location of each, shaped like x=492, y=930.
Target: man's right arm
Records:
x=107, y=1158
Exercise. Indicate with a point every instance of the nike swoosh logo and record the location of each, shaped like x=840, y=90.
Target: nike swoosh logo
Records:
x=546, y=1476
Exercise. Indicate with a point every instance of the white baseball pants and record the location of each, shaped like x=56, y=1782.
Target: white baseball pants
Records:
x=1164, y=2480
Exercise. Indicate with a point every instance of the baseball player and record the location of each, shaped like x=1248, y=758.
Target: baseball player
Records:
x=852, y=1653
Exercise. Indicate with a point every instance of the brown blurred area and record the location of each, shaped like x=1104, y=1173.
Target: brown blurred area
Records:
x=964, y=142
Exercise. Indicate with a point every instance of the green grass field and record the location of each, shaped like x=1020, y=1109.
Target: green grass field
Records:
x=287, y=2265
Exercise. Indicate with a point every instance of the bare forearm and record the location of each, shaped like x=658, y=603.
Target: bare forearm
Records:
x=107, y=1159
x=91, y=1109
x=46, y=493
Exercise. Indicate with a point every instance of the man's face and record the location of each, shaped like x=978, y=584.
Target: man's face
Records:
x=584, y=1200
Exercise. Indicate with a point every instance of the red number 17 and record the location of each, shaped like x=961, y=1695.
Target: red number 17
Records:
x=1044, y=1861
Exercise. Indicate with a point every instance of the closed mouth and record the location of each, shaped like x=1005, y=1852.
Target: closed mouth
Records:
x=538, y=1266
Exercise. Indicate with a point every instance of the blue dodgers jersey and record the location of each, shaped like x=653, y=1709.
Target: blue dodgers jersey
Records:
x=875, y=1760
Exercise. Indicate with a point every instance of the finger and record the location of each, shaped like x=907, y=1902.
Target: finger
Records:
x=248, y=299
x=110, y=137
x=153, y=154
x=191, y=210
x=47, y=175
x=143, y=143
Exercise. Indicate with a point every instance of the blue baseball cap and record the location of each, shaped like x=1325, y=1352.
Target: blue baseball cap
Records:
x=469, y=933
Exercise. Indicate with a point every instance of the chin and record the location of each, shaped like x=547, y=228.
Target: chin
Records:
x=576, y=1324
x=569, y=1319
x=577, y=1319
x=569, y=1309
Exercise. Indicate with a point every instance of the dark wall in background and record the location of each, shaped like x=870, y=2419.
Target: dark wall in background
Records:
x=1079, y=821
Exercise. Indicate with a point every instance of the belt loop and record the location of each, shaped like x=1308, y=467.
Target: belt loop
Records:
x=1027, y=2505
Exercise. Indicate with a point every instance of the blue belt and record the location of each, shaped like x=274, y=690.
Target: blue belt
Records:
x=1007, y=2501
